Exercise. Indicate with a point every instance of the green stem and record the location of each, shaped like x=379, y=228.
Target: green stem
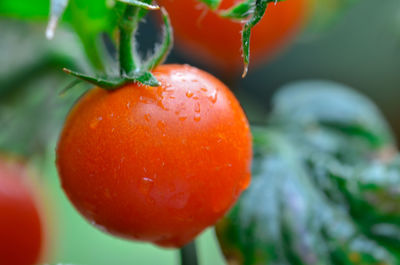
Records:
x=188, y=254
x=126, y=29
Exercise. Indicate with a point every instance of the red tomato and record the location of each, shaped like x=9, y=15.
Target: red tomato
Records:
x=156, y=164
x=21, y=231
x=217, y=42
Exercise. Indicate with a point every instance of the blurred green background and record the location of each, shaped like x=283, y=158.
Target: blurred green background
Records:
x=360, y=48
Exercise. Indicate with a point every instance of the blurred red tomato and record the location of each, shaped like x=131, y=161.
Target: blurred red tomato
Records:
x=21, y=229
x=216, y=41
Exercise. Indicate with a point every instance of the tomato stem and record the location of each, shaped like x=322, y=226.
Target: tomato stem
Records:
x=188, y=254
x=127, y=28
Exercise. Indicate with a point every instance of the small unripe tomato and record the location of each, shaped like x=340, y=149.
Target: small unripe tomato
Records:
x=156, y=164
x=21, y=226
x=216, y=41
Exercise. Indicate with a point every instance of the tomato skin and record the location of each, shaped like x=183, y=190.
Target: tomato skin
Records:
x=21, y=227
x=216, y=41
x=156, y=164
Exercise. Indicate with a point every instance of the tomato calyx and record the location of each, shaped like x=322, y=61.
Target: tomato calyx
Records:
x=132, y=68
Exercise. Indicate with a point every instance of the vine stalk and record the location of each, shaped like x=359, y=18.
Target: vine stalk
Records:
x=188, y=254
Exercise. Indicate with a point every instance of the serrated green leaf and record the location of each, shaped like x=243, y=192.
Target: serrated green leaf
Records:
x=283, y=218
x=212, y=4
x=317, y=103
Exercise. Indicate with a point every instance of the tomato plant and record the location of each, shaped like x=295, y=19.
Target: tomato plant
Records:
x=156, y=164
x=21, y=226
x=216, y=41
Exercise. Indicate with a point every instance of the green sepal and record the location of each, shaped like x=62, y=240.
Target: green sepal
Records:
x=239, y=11
x=146, y=78
x=112, y=83
x=163, y=49
x=57, y=8
x=108, y=83
x=256, y=10
x=212, y=4
x=261, y=6
x=141, y=4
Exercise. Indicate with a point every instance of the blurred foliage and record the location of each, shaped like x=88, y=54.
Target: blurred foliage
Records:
x=325, y=186
x=325, y=13
x=31, y=108
x=89, y=18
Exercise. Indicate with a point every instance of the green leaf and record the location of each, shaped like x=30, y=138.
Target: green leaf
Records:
x=141, y=4
x=326, y=13
x=283, y=218
x=309, y=104
x=212, y=4
x=89, y=19
x=24, y=9
x=239, y=11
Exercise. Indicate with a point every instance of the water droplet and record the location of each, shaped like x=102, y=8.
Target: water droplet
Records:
x=197, y=117
x=145, y=185
x=197, y=107
x=214, y=96
x=147, y=116
x=95, y=122
x=161, y=125
x=182, y=118
x=161, y=104
x=203, y=89
x=189, y=94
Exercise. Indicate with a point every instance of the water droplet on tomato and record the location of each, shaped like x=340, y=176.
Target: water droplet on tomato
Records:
x=145, y=185
x=161, y=125
x=214, y=96
x=95, y=122
x=203, y=89
x=182, y=117
x=197, y=117
x=147, y=116
x=189, y=94
x=197, y=107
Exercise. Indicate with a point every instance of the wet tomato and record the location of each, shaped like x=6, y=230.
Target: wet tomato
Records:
x=157, y=164
x=216, y=41
x=21, y=226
